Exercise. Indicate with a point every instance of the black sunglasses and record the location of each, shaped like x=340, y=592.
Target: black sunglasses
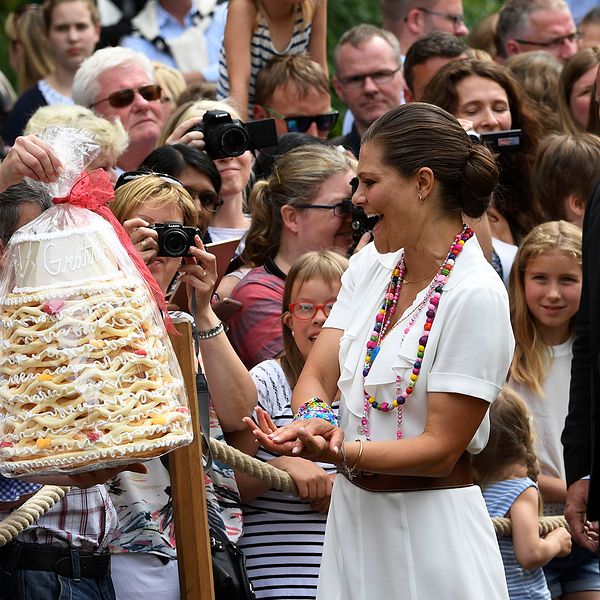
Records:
x=324, y=122
x=122, y=98
x=209, y=200
x=301, y=124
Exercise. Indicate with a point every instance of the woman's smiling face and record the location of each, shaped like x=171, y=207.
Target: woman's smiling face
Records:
x=385, y=193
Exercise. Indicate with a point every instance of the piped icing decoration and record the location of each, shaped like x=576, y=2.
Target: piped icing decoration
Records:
x=75, y=383
x=383, y=319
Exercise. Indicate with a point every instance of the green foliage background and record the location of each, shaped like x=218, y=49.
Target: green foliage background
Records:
x=342, y=14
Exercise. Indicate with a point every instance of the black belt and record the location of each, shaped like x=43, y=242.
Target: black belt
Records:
x=73, y=564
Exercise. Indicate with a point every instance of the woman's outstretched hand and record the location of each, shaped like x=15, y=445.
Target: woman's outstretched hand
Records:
x=316, y=439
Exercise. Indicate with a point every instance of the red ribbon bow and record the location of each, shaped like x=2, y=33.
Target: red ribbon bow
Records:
x=94, y=191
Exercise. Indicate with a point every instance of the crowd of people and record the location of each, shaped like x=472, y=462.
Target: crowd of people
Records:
x=407, y=322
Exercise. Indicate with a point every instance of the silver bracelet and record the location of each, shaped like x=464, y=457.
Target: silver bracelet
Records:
x=206, y=334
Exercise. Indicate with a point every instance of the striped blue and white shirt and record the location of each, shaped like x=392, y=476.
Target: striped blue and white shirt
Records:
x=283, y=536
x=522, y=584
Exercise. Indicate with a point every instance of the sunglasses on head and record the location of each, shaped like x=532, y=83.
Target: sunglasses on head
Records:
x=301, y=124
x=122, y=98
x=133, y=175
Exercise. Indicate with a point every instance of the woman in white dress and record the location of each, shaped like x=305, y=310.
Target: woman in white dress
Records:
x=423, y=334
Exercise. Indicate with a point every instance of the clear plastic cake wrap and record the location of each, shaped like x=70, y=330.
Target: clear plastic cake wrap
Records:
x=88, y=376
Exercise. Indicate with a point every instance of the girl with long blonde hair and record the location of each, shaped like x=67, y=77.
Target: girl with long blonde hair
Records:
x=544, y=292
x=283, y=533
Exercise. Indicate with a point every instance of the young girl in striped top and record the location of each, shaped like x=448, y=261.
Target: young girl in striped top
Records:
x=507, y=470
x=283, y=534
x=258, y=30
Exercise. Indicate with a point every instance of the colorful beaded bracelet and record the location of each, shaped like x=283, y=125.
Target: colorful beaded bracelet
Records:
x=315, y=408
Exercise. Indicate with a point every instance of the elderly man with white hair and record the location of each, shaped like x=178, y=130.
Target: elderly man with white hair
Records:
x=120, y=83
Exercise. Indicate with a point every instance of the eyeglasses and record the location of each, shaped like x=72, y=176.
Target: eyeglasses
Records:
x=379, y=78
x=307, y=310
x=301, y=124
x=457, y=20
x=209, y=200
x=133, y=175
x=556, y=42
x=122, y=98
x=341, y=209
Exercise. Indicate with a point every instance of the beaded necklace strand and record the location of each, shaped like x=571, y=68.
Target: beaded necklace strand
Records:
x=383, y=320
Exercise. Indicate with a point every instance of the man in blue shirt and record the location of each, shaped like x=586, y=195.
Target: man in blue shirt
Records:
x=185, y=34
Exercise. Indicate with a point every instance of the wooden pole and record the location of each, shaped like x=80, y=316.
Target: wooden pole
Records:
x=194, y=557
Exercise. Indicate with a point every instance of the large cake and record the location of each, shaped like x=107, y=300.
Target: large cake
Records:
x=87, y=374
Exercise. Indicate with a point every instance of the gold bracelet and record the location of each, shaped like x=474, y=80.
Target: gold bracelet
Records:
x=360, y=451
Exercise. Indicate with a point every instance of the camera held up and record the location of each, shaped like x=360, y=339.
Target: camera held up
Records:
x=225, y=137
x=175, y=239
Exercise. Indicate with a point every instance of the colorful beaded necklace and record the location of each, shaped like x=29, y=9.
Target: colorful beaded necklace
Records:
x=383, y=320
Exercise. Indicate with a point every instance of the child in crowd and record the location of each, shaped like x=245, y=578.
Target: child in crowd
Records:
x=283, y=534
x=258, y=30
x=507, y=470
x=544, y=292
x=564, y=174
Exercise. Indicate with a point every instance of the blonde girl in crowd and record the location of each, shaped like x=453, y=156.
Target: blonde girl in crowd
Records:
x=507, y=471
x=258, y=30
x=71, y=30
x=544, y=291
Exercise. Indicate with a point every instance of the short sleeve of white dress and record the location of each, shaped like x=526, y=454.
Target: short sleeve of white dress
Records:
x=475, y=344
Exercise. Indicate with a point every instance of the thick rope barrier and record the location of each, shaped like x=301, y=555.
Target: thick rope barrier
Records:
x=29, y=512
x=275, y=478
x=503, y=526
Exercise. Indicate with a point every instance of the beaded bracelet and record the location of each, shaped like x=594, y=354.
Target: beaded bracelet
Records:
x=206, y=334
x=315, y=408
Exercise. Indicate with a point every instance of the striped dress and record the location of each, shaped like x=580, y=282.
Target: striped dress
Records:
x=522, y=584
x=262, y=51
x=283, y=536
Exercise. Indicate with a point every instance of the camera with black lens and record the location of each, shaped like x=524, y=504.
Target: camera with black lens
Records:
x=498, y=142
x=175, y=239
x=361, y=223
x=225, y=137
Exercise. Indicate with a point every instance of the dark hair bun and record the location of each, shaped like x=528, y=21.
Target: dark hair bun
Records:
x=479, y=178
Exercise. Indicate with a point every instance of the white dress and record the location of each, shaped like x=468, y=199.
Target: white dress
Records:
x=416, y=545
